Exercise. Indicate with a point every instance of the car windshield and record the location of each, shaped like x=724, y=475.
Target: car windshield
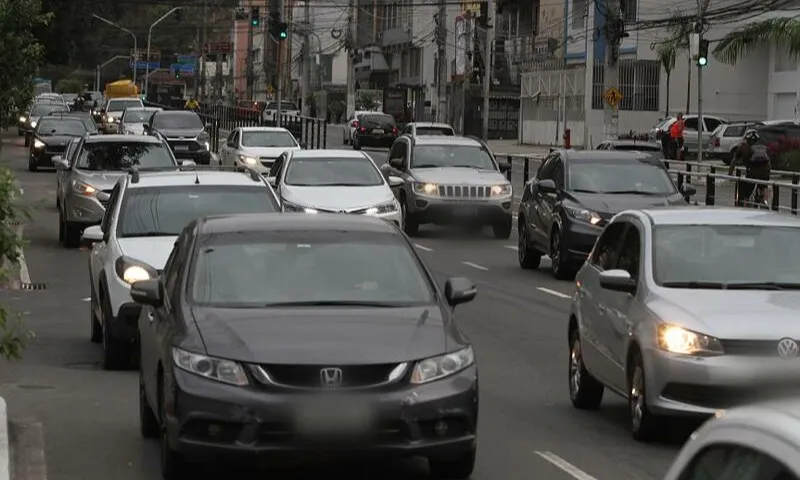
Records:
x=56, y=126
x=179, y=120
x=329, y=267
x=694, y=255
x=165, y=211
x=644, y=176
x=268, y=139
x=284, y=106
x=120, y=105
x=434, y=156
x=87, y=121
x=637, y=147
x=45, y=109
x=124, y=155
x=321, y=172
x=137, y=116
x=435, y=131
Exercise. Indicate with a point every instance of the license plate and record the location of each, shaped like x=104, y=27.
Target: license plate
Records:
x=378, y=131
x=182, y=148
x=465, y=211
x=333, y=418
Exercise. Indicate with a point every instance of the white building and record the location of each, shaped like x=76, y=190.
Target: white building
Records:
x=328, y=59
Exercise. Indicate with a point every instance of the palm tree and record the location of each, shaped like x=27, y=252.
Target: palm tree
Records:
x=666, y=53
x=679, y=28
x=784, y=32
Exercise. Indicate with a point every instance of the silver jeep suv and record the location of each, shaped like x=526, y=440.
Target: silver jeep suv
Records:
x=450, y=181
x=90, y=169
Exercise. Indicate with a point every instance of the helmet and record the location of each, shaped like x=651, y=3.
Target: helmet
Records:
x=751, y=136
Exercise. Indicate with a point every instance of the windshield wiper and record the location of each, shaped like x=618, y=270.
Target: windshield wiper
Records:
x=334, y=303
x=426, y=165
x=708, y=285
x=763, y=286
x=631, y=192
x=151, y=234
x=583, y=190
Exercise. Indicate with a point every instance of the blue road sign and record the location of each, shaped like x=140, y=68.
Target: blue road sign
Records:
x=142, y=65
x=186, y=59
x=185, y=68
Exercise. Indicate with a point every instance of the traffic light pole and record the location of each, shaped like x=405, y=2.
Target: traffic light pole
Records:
x=701, y=10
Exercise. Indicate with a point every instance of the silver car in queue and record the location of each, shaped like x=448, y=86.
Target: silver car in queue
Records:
x=685, y=311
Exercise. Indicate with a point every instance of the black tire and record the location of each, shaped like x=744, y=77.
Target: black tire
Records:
x=410, y=226
x=562, y=268
x=72, y=235
x=148, y=422
x=61, y=233
x=96, y=335
x=356, y=143
x=502, y=229
x=173, y=463
x=458, y=469
x=645, y=426
x=20, y=133
x=117, y=354
x=32, y=167
x=529, y=258
x=585, y=392
x=27, y=140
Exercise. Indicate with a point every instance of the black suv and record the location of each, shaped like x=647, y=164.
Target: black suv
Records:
x=185, y=133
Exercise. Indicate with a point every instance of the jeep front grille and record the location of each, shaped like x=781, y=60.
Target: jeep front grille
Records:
x=464, y=191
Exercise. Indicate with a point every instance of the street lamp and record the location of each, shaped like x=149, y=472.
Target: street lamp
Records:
x=135, y=41
x=149, y=36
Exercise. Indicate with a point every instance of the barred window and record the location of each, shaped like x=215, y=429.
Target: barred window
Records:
x=629, y=10
x=639, y=83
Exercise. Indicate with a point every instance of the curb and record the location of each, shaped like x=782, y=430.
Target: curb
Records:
x=5, y=457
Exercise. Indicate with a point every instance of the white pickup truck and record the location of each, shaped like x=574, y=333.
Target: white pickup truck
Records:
x=287, y=109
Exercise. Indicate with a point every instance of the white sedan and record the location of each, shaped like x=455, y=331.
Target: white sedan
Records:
x=256, y=147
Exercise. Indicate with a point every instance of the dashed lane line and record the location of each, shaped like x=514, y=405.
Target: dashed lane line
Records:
x=565, y=466
x=423, y=247
x=476, y=266
x=516, y=249
x=555, y=293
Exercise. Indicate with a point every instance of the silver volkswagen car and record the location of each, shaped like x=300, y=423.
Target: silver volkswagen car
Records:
x=685, y=311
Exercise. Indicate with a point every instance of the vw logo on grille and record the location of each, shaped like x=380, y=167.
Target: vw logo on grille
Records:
x=788, y=348
x=332, y=377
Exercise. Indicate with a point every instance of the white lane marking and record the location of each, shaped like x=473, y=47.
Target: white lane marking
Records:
x=87, y=299
x=564, y=465
x=475, y=265
x=24, y=273
x=553, y=292
x=512, y=247
x=423, y=247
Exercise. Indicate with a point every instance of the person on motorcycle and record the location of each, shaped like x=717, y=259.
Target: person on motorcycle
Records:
x=757, y=164
x=78, y=103
x=191, y=104
x=676, y=135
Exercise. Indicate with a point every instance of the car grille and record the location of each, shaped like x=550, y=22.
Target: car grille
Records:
x=464, y=191
x=751, y=348
x=189, y=145
x=55, y=149
x=311, y=376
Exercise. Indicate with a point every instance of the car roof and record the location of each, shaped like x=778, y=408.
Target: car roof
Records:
x=181, y=113
x=123, y=138
x=709, y=215
x=630, y=141
x=431, y=124
x=603, y=154
x=124, y=98
x=266, y=222
x=444, y=140
x=320, y=153
x=263, y=129
x=179, y=178
x=144, y=109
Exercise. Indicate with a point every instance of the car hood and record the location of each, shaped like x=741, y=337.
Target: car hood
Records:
x=185, y=133
x=57, y=140
x=266, y=152
x=613, y=204
x=458, y=175
x=134, y=128
x=324, y=335
x=153, y=251
x=101, y=180
x=337, y=198
x=731, y=314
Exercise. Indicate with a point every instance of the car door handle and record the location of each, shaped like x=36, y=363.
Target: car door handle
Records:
x=150, y=317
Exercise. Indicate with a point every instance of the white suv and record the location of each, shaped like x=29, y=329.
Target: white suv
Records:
x=147, y=211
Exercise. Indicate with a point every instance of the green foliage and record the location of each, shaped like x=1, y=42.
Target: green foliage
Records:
x=337, y=110
x=368, y=99
x=70, y=85
x=784, y=32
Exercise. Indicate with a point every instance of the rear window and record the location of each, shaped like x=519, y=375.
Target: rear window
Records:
x=435, y=131
x=177, y=120
x=124, y=156
x=45, y=109
x=376, y=120
x=56, y=126
x=119, y=105
x=734, y=131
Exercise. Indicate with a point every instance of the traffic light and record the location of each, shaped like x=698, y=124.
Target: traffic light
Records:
x=702, y=57
x=255, y=16
x=277, y=29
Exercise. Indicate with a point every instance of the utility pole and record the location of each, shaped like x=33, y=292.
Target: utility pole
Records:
x=700, y=26
x=441, y=55
x=469, y=67
x=488, y=66
x=588, y=90
x=305, y=78
x=614, y=32
x=352, y=25
x=279, y=69
x=249, y=90
x=202, y=70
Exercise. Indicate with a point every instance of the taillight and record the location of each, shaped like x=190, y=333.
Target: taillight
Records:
x=363, y=129
x=716, y=142
x=354, y=124
x=394, y=130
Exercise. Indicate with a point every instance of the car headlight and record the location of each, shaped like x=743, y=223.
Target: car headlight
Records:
x=204, y=140
x=131, y=270
x=388, y=207
x=83, y=188
x=676, y=339
x=248, y=160
x=225, y=371
x=291, y=207
x=426, y=188
x=501, y=190
x=111, y=119
x=23, y=119
x=34, y=123
x=583, y=215
x=435, y=368
x=38, y=144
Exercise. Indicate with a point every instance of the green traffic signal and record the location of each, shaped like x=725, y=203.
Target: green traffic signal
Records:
x=702, y=61
x=283, y=34
x=254, y=22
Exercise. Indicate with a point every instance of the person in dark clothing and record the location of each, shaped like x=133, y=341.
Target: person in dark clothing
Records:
x=676, y=135
x=758, y=166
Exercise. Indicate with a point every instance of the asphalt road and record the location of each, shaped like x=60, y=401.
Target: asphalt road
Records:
x=528, y=428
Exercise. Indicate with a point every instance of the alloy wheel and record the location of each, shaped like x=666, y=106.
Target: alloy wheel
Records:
x=575, y=367
x=637, y=397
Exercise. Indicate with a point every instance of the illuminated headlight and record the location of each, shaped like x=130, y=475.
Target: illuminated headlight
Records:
x=676, y=339
x=83, y=188
x=23, y=119
x=33, y=123
x=426, y=188
x=291, y=207
x=248, y=160
x=38, y=144
x=207, y=145
x=388, y=207
x=435, y=368
x=132, y=271
x=225, y=371
x=583, y=215
x=501, y=190
x=111, y=119
x=204, y=140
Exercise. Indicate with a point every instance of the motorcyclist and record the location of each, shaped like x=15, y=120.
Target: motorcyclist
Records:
x=758, y=166
x=676, y=135
x=78, y=103
x=191, y=104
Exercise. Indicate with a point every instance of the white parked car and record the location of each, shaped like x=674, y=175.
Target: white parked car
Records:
x=256, y=147
x=146, y=213
x=710, y=123
x=334, y=181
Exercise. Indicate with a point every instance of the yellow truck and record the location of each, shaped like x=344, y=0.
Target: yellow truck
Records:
x=121, y=88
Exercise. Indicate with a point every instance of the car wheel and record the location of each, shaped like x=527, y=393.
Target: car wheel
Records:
x=27, y=140
x=148, y=422
x=356, y=143
x=96, y=327
x=458, y=468
x=173, y=464
x=410, y=226
x=61, y=228
x=116, y=353
x=72, y=235
x=585, y=392
x=644, y=425
x=20, y=133
x=32, y=167
x=529, y=257
x=502, y=230
x=562, y=269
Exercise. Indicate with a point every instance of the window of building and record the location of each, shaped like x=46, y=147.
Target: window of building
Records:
x=784, y=61
x=639, y=83
x=578, y=13
x=629, y=10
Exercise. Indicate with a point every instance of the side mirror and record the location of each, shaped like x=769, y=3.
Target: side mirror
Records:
x=92, y=234
x=618, y=281
x=395, y=182
x=688, y=190
x=272, y=181
x=60, y=163
x=146, y=128
x=396, y=163
x=459, y=290
x=504, y=166
x=547, y=186
x=186, y=163
x=147, y=292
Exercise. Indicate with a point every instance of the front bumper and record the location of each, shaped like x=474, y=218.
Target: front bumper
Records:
x=208, y=418
x=190, y=150
x=83, y=209
x=43, y=157
x=449, y=211
x=579, y=239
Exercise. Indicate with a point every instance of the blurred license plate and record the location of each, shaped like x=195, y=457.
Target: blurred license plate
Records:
x=378, y=131
x=465, y=211
x=182, y=147
x=333, y=418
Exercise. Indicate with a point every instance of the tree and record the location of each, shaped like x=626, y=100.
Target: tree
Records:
x=666, y=53
x=783, y=32
x=20, y=54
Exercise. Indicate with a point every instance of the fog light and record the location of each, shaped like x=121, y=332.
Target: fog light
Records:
x=440, y=428
x=214, y=430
